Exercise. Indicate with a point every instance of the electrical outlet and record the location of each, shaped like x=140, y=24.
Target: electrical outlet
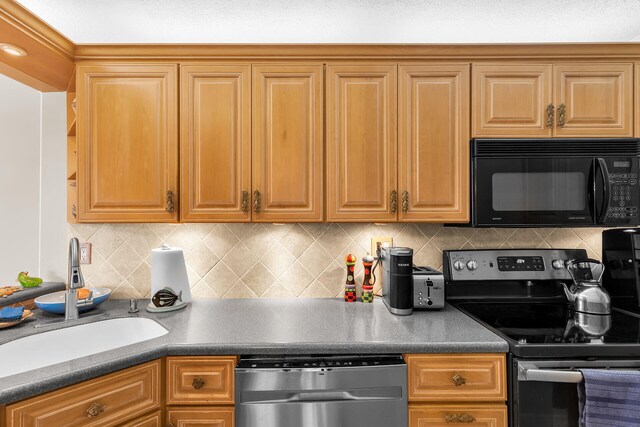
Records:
x=85, y=253
x=377, y=242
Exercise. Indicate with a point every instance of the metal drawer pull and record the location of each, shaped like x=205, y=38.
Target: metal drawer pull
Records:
x=459, y=380
x=394, y=201
x=95, y=409
x=562, y=109
x=197, y=383
x=256, y=201
x=459, y=418
x=550, y=114
x=405, y=201
x=549, y=375
x=170, y=207
x=245, y=201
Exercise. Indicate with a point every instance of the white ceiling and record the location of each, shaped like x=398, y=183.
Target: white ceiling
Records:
x=341, y=21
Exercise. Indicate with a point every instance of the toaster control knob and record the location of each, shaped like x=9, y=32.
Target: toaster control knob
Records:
x=458, y=265
x=557, y=264
x=472, y=265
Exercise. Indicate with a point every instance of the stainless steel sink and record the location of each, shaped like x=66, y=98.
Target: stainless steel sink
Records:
x=61, y=345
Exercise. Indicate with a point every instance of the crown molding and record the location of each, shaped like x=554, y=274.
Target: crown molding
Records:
x=144, y=52
x=50, y=60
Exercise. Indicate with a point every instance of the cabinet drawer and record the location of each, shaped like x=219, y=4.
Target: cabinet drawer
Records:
x=151, y=420
x=106, y=401
x=454, y=378
x=445, y=415
x=197, y=417
x=200, y=380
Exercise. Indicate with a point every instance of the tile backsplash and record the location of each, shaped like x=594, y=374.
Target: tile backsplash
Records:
x=292, y=260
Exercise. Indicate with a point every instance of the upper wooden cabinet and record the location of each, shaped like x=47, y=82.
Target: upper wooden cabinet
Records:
x=215, y=142
x=433, y=140
x=511, y=100
x=287, y=149
x=361, y=143
x=127, y=143
x=594, y=99
x=544, y=100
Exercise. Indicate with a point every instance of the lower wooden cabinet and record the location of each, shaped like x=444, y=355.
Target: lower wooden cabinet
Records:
x=200, y=380
x=200, y=416
x=468, y=414
x=152, y=420
x=112, y=400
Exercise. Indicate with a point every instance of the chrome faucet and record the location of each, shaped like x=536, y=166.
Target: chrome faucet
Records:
x=76, y=281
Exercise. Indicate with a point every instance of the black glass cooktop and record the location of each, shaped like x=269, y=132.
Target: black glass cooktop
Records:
x=553, y=330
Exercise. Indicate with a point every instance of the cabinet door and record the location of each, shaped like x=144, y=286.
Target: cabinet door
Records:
x=361, y=144
x=597, y=100
x=433, y=140
x=215, y=143
x=287, y=143
x=445, y=415
x=107, y=401
x=127, y=143
x=152, y=420
x=200, y=380
x=198, y=417
x=511, y=100
x=457, y=377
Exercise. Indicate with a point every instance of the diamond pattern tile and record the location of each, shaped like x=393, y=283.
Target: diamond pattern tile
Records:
x=248, y=260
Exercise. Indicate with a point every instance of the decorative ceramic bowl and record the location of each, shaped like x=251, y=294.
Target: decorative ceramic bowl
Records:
x=54, y=302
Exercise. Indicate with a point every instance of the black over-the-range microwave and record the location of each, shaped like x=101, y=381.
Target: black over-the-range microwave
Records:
x=555, y=182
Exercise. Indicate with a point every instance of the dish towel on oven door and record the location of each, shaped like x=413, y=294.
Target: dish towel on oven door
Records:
x=609, y=398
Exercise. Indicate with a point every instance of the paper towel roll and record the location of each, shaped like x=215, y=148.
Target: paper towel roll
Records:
x=168, y=270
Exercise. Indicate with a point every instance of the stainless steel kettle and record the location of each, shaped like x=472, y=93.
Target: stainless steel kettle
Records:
x=586, y=294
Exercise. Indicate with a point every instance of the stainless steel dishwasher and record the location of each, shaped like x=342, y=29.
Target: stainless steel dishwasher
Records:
x=336, y=391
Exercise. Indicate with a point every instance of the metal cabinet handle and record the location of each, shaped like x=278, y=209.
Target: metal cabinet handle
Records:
x=197, y=383
x=394, y=201
x=256, y=201
x=405, y=201
x=459, y=418
x=562, y=109
x=74, y=211
x=95, y=409
x=550, y=114
x=170, y=207
x=245, y=201
x=459, y=380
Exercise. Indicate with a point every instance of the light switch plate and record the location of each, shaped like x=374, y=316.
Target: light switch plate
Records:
x=381, y=241
x=85, y=253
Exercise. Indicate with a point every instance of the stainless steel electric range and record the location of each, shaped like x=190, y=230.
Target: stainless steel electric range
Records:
x=518, y=294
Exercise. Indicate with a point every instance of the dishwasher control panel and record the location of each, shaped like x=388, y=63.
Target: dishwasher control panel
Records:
x=310, y=362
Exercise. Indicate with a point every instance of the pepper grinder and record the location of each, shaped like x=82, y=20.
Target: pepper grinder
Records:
x=350, y=286
x=367, y=287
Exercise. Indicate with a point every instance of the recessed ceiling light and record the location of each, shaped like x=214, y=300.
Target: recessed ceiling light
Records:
x=12, y=49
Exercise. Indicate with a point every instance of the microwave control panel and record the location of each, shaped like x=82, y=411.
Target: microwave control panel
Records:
x=624, y=190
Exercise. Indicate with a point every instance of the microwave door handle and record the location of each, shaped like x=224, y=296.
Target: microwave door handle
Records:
x=602, y=168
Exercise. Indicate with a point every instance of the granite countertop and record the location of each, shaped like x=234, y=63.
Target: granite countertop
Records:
x=259, y=326
x=31, y=293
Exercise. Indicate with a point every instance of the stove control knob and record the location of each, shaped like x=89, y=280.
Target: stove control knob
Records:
x=557, y=264
x=472, y=265
x=458, y=265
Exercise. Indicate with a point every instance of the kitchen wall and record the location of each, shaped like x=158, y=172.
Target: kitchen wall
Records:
x=292, y=260
x=32, y=182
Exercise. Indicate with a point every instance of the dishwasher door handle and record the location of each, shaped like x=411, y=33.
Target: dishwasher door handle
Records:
x=301, y=396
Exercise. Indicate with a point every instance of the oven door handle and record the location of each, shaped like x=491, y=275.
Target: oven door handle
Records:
x=531, y=373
